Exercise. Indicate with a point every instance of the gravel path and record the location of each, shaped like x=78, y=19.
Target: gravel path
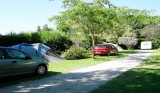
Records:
x=82, y=80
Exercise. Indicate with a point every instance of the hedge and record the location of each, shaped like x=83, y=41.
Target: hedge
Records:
x=56, y=40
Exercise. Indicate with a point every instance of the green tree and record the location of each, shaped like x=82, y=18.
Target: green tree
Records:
x=87, y=19
x=127, y=23
x=46, y=28
x=99, y=20
x=130, y=42
x=38, y=28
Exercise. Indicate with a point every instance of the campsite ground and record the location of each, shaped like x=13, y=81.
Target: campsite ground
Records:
x=82, y=80
x=69, y=65
x=63, y=67
x=142, y=79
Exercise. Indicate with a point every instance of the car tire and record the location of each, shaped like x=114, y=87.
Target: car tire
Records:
x=41, y=70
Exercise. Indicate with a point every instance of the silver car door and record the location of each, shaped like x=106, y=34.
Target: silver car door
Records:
x=5, y=65
x=20, y=62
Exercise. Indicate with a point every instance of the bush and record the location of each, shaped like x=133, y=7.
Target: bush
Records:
x=55, y=40
x=74, y=53
x=13, y=39
x=129, y=42
x=155, y=42
x=36, y=37
x=87, y=44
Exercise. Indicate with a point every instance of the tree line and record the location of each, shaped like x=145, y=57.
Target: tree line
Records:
x=100, y=20
x=95, y=22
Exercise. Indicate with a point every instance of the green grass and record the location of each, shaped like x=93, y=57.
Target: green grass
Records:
x=70, y=65
x=62, y=67
x=142, y=79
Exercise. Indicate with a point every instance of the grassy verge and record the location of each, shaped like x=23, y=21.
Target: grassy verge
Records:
x=142, y=79
x=62, y=67
x=69, y=65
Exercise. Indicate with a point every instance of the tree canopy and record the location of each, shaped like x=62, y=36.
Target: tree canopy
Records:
x=100, y=19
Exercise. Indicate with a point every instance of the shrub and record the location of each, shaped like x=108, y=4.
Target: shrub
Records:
x=130, y=42
x=36, y=37
x=13, y=39
x=87, y=44
x=55, y=40
x=74, y=53
x=155, y=42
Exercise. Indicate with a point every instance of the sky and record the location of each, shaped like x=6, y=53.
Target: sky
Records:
x=25, y=15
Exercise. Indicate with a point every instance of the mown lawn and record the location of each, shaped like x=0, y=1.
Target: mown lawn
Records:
x=69, y=65
x=142, y=79
x=62, y=67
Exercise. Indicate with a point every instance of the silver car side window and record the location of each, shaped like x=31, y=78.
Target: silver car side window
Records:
x=15, y=54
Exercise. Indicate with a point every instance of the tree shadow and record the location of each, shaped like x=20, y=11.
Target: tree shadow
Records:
x=141, y=80
x=15, y=79
x=73, y=82
x=76, y=82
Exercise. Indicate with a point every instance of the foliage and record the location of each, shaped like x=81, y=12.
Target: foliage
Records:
x=150, y=31
x=155, y=42
x=12, y=39
x=57, y=41
x=86, y=44
x=44, y=28
x=35, y=37
x=135, y=18
x=62, y=67
x=74, y=53
x=102, y=20
x=130, y=42
x=38, y=28
x=87, y=19
x=129, y=33
x=127, y=22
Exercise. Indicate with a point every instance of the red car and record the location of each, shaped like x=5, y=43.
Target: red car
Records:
x=104, y=49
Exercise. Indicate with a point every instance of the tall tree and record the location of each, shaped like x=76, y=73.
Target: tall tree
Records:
x=88, y=18
x=131, y=21
x=46, y=28
x=38, y=28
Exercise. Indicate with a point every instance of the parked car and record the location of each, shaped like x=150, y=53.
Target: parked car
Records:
x=105, y=49
x=14, y=61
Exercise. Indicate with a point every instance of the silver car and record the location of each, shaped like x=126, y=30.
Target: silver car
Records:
x=14, y=61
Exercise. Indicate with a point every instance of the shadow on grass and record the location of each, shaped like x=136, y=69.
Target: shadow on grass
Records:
x=154, y=60
x=135, y=81
x=81, y=82
x=15, y=79
x=144, y=79
x=66, y=82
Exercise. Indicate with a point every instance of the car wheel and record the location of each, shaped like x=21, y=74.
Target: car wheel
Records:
x=41, y=70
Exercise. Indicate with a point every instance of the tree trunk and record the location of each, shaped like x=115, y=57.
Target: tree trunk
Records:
x=93, y=42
